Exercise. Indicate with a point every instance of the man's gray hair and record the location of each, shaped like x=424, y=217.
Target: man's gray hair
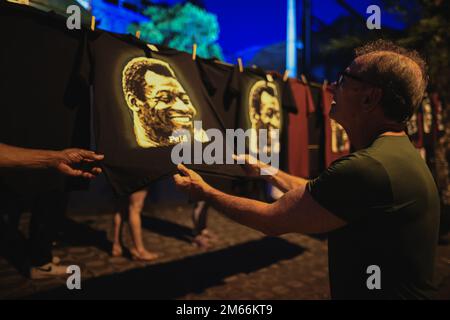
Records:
x=399, y=72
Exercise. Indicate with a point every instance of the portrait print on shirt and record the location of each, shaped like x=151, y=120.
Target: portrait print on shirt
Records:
x=265, y=113
x=159, y=103
x=147, y=101
x=339, y=138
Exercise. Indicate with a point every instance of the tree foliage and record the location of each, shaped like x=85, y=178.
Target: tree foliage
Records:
x=428, y=25
x=181, y=26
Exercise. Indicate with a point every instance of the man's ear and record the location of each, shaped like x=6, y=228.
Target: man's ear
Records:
x=132, y=102
x=372, y=98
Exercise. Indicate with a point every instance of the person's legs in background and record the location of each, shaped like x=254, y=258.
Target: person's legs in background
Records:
x=117, y=242
x=45, y=211
x=202, y=236
x=200, y=217
x=135, y=207
x=13, y=244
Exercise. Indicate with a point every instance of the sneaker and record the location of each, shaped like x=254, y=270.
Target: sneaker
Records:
x=49, y=270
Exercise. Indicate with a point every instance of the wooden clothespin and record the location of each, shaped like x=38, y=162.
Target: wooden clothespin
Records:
x=93, y=23
x=325, y=83
x=24, y=2
x=138, y=34
x=194, y=51
x=304, y=80
x=152, y=47
x=241, y=66
x=223, y=63
x=286, y=75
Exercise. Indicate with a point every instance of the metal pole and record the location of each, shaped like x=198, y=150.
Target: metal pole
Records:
x=306, y=36
x=291, y=48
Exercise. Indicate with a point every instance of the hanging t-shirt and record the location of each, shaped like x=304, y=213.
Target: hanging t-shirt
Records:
x=316, y=134
x=259, y=109
x=426, y=109
x=427, y=113
x=337, y=143
x=414, y=128
x=298, y=129
x=439, y=128
x=289, y=107
x=147, y=101
x=217, y=76
x=45, y=102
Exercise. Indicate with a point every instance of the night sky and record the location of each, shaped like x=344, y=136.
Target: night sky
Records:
x=257, y=23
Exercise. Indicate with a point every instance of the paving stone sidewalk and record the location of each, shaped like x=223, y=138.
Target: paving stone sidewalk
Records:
x=243, y=264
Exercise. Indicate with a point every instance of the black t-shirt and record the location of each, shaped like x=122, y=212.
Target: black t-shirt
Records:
x=388, y=197
x=217, y=77
x=45, y=101
x=260, y=104
x=229, y=92
x=142, y=96
x=288, y=106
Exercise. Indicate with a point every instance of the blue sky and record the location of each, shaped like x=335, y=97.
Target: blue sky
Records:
x=255, y=23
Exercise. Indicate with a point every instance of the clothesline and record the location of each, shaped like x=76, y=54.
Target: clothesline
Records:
x=194, y=54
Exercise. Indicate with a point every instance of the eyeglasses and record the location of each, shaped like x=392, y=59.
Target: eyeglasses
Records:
x=344, y=73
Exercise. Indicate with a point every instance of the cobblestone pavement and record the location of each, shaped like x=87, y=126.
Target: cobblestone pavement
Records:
x=243, y=264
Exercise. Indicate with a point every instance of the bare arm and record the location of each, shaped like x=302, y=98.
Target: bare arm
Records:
x=14, y=157
x=296, y=211
x=285, y=182
x=280, y=179
x=63, y=161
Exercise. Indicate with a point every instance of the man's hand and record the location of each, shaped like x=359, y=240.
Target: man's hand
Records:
x=65, y=161
x=191, y=182
x=251, y=166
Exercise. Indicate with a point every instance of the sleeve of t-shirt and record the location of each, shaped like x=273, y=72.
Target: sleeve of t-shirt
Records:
x=352, y=188
x=206, y=79
x=234, y=82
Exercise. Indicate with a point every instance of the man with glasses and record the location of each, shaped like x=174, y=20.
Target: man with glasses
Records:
x=379, y=205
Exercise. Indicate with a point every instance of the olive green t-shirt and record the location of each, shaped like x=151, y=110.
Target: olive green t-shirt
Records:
x=389, y=199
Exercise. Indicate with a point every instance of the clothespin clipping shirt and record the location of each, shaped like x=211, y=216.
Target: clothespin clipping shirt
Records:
x=286, y=75
x=138, y=34
x=152, y=47
x=325, y=83
x=241, y=66
x=25, y=2
x=303, y=77
x=194, y=51
x=93, y=23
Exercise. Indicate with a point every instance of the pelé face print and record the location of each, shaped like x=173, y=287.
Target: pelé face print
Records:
x=264, y=109
x=159, y=103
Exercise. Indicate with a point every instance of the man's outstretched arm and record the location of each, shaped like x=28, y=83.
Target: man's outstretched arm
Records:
x=286, y=182
x=63, y=161
x=15, y=157
x=280, y=179
x=296, y=211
